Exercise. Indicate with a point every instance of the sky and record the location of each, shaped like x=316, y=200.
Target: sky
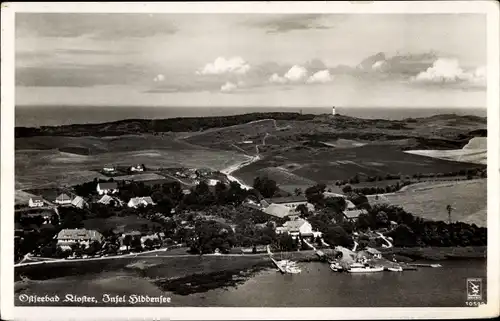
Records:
x=215, y=60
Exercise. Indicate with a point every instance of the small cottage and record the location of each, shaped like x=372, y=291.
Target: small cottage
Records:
x=107, y=188
x=35, y=201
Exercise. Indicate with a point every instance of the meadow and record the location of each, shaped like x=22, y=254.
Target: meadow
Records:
x=52, y=168
x=327, y=165
x=429, y=200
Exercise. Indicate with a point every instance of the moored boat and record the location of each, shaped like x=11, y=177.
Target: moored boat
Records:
x=366, y=269
x=395, y=269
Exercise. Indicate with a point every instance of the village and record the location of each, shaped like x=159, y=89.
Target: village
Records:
x=285, y=215
x=204, y=212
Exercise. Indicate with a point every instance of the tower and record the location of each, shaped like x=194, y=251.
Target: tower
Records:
x=333, y=111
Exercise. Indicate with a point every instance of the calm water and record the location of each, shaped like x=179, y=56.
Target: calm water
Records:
x=318, y=286
x=33, y=116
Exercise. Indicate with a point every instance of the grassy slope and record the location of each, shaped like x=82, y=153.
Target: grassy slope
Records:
x=429, y=200
x=330, y=164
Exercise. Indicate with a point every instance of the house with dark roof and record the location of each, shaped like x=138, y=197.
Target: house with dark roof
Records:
x=35, y=201
x=68, y=237
x=107, y=188
x=63, y=199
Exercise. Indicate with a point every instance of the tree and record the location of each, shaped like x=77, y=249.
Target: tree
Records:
x=93, y=248
x=314, y=194
x=347, y=189
x=136, y=243
x=267, y=187
x=148, y=244
x=127, y=241
x=297, y=192
x=304, y=211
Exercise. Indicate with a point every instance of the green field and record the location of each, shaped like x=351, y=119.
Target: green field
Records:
x=429, y=200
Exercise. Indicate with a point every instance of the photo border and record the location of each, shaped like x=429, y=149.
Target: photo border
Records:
x=9, y=311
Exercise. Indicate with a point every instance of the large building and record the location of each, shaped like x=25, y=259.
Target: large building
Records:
x=68, y=237
x=107, y=188
x=296, y=228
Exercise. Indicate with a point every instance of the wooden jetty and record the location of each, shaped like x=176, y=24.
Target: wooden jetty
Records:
x=425, y=265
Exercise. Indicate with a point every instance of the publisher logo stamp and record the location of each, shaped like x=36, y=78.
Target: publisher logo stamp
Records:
x=474, y=289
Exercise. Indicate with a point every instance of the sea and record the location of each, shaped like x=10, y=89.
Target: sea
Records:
x=318, y=286
x=36, y=116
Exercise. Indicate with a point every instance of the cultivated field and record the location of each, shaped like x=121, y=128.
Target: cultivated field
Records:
x=54, y=168
x=89, y=145
x=330, y=164
x=429, y=200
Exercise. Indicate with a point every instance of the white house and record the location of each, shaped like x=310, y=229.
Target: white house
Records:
x=109, y=168
x=296, y=228
x=107, y=188
x=138, y=168
x=212, y=182
x=63, y=199
x=35, y=201
x=138, y=201
x=67, y=237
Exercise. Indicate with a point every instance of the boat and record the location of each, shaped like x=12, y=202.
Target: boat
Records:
x=436, y=265
x=336, y=267
x=395, y=269
x=366, y=269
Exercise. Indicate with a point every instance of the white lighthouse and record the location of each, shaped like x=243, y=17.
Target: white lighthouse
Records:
x=333, y=111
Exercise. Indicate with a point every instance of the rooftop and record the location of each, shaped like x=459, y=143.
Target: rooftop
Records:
x=277, y=210
x=354, y=213
x=63, y=197
x=79, y=234
x=36, y=199
x=108, y=185
x=294, y=225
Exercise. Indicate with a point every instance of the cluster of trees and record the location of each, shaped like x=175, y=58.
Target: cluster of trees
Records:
x=378, y=190
x=415, y=231
x=469, y=173
x=266, y=187
x=211, y=235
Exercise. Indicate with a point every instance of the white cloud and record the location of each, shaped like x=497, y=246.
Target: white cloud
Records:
x=159, y=78
x=222, y=65
x=275, y=78
x=379, y=65
x=445, y=70
x=228, y=86
x=296, y=73
x=322, y=76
